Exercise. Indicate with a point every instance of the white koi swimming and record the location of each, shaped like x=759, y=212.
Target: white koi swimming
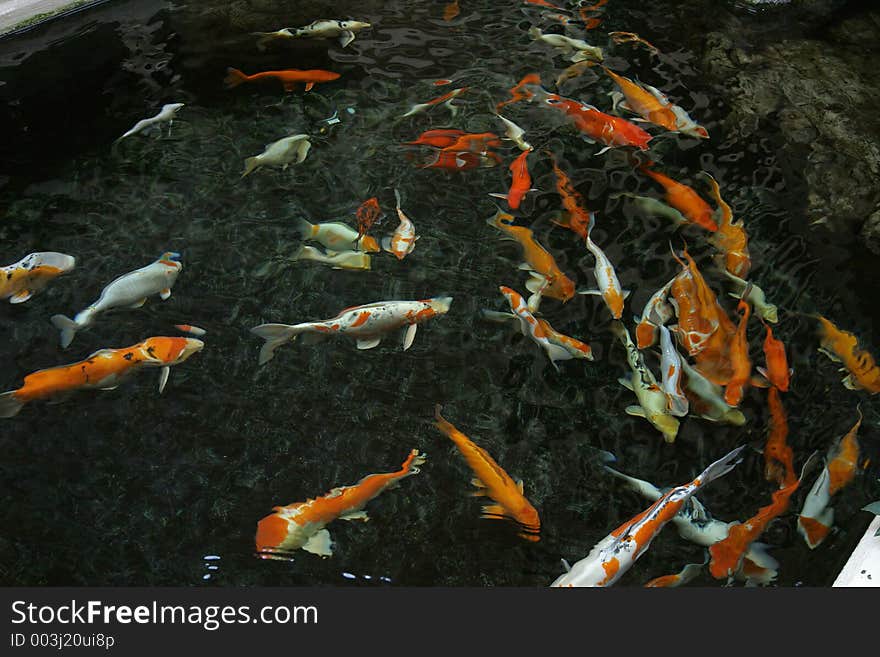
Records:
x=652, y=400
x=531, y=327
x=336, y=236
x=606, y=278
x=616, y=553
x=404, y=239
x=575, y=347
x=286, y=151
x=581, y=49
x=167, y=113
x=515, y=134
x=352, y=260
x=670, y=375
x=367, y=324
x=445, y=100
x=320, y=29
x=656, y=313
x=709, y=398
x=25, y=278
x=755, y=295
x=128, y=291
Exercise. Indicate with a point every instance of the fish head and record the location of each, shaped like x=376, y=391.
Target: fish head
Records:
x=770, y=313
x=171, y=259
x=171, y=351
x=355, y=25
x=172, y=107
x=440, y=305
x=272, y=532
x=697, y=131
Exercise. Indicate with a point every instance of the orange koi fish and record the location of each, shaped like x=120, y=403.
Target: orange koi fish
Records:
x=437, y=138
x=521, y=183
x=367, y=214
x=616, y=553
x=688, y=573
x=451, y=10
x=492, y=481
x=576, y=217
x=105, y=369
x=778, y=456
x=301, y=524
x=520, y=91
x=739, y=359
x=841, y=465
x=446, y=99
x=685, y=200
x=288, y=78
x=842, y=346
x=546, y=278
x=25, y=278
x=474, y=142
x=632, y=37
x=731, y=238
x=543, y=3
x=777, y=372
x=603, y=128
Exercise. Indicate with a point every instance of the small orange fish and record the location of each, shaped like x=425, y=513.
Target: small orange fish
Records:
x=776, y=451
x=519, y=92
x=367, y=214
x=301, y=525
x=739, y=359
x=731, y=238
x=632, y=37
x=577, y=216
x=843, y=346
x=685, y=200
x=777, y=372
x=493, y=482
x=521, y=183
x=451, y=10
x=288, y=78
x=644, y=103
x=437, y=138
x=104, y=370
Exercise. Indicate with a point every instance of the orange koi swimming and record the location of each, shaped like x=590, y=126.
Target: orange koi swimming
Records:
x=778, y=456
x=546, y=278
x=288, y=78
x=437, y=138
x=777, y=372
x=632, y=37
x=492, y=481
x=576, y=217
x=103, y=370
x=301, y=525
x=367, y=214
x=616, y=553
x=25, y=278
x=817, y=517
x=451, y=10
x=603, y=128
x=739, y=359
x=685, y=200
x=606, y=278
x=521, y=183
x=731, y=238
x=446, y=99
x=842, y=346
x=520, y=91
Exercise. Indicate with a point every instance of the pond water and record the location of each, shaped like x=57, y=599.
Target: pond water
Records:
x=130, y=487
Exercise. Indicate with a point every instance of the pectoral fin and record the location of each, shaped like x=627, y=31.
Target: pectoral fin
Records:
x=20, y=297
x=309, y=86
x=345, y=38
x=593, y=292
x=355, y=515
x=164, y=373
x=409, y=336
x=636, y=410
x=626, y=383
x=494, y=512
x=138, y=304
x=320, y=544
x=164, y=294
x=368, y=344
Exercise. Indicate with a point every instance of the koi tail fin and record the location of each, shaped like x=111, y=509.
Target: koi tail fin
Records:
x=9, y=405
x=250, y=163
x=722, y=466
x=68, y=328
x=411, y=465
x=275, y=335
x=234, y=77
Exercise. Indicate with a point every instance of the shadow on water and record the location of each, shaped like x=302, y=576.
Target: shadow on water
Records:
x=128, y=487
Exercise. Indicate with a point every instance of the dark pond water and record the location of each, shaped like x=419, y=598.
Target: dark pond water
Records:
x=129, y=487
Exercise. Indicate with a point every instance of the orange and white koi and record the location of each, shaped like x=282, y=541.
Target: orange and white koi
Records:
x=191, y=329
x=576, y=217
x=336, y=236
x=706, y=398
x=404, y=239
x=579, y=49
x=653, y=106
x=521, y=183
x=687, y=574
x=842, y=346
x=546, y=278
x=301, y=525
x=531, y=327
x=575, y=347
x=653, y=402
x=27, y=277
x=493, y=482
x=606, y=278
x=754, y=295
x=127, y=291
x=612, y=131
x=841, y=465
x=777, y=372
x=731, y=238
x=103, y=370
x=446, y=99
x=288, y=78
x=367, y=324
x=515, y=134
x=615, y=554
x=657, y=312
x=741, y=365
x=685, y=200
x=670, y=375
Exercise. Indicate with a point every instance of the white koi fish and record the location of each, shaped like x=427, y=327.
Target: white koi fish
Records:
x=25, y=278
x=292, y=149
x=165, y=114
x=616, y=553
x=606, y=278
x=532, y=328
x=652, y=400
x=656, y=313
x=353, y=260
x=367, y=324
x=670, y=375
x=336, y=236
x=654, y=207
x=755, y=295
x=319, y=29
x=404, y=239
x=581, y=49
x=445, y=100
x=575, y=347
x=128, y=291
x=710, y=398
x=515, y=134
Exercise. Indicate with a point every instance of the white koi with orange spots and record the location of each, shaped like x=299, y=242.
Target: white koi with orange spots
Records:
x=368, y=324
x=530, y=326
x=404, y=239
x=670, y=374
x=656, y=312
x=575, y=347
x=606, y=278
x=616, y=553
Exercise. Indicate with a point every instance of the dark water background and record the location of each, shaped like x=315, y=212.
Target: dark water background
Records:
x=129, y=487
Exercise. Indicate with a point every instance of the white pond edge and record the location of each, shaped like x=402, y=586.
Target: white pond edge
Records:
x=863, y=567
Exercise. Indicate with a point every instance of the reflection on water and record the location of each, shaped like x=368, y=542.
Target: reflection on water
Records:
x=130, y=487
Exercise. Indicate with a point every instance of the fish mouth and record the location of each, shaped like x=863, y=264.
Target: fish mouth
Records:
x=190, y=347
x=441, y=304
